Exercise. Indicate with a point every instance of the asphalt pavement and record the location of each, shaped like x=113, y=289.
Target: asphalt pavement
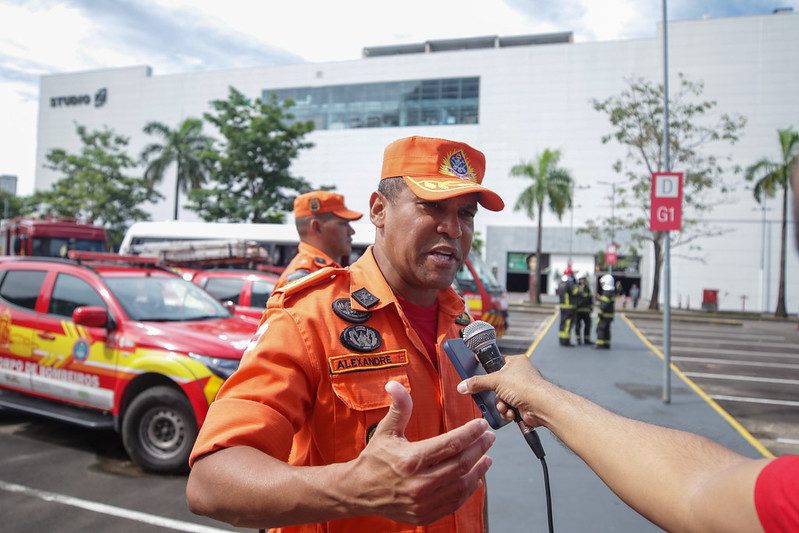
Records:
x=627, y=380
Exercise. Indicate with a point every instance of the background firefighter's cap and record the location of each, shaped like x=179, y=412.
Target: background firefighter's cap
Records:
x=437, y=169
x=318, y=202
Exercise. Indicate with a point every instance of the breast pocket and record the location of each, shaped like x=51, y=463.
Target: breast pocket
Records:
x=359, y=383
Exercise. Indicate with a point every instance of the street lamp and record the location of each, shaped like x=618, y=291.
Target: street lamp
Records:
x=612, y=214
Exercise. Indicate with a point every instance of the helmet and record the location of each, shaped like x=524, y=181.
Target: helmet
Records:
x=581, y=275
x=607, y=282
x=565, y=278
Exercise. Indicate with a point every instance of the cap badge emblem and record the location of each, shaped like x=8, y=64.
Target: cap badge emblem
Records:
x=314, y=204
x=456, y=164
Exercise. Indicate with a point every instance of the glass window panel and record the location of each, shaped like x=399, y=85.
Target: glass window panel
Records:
x=470, y=88
x=387, y=104
x=22, y=287
x=225, y=289
x=69, y=293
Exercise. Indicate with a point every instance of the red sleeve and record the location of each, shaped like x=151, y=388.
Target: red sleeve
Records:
x=777, y=495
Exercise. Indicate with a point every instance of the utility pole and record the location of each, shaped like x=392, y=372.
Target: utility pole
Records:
x=667, y=234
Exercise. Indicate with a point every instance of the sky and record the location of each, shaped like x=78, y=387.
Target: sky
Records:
x=39, y=37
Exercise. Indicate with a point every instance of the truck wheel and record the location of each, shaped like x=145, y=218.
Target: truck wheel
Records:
x=159, y=430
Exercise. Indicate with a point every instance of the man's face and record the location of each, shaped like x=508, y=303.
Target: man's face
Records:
x=337, y=234
x=424, y=242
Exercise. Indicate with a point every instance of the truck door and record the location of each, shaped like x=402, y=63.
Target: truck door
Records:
x=19, y=293
x=76, y=365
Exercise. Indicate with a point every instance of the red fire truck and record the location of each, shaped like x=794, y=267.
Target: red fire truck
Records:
x=50, y=237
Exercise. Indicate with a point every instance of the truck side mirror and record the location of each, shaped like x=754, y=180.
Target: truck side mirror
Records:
x=90, y=316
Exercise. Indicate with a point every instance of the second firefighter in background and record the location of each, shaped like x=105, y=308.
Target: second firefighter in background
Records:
x=585, y=304
x=606, y=307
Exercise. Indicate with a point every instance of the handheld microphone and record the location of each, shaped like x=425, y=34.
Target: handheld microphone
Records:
x=481, y=338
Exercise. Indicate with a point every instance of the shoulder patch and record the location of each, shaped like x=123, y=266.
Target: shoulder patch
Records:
x=310, y=280
x=365, y=298
x=362, y=339
x=344, y=310
x=463, y=320
x=297, y=274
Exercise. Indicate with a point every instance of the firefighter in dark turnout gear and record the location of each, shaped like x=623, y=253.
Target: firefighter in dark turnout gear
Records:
x=585, y=304
x=606, y=306
x=567, y=292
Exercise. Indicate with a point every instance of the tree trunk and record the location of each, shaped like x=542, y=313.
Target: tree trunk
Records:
x=177, y=192
x=536, y=289
x=780, y=311
x=657, y=243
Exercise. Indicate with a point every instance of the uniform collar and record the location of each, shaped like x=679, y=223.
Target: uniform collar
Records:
x=316, y=253
x=365, y=274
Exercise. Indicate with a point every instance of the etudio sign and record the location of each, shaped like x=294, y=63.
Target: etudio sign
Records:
x=99, y=99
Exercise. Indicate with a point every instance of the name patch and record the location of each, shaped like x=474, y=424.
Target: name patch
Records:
x=353, y=362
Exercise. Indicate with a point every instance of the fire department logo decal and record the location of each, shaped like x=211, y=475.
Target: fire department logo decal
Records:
x=456, y=164
x=80, y=350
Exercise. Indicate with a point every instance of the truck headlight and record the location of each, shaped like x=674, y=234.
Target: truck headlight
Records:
x=223, y=368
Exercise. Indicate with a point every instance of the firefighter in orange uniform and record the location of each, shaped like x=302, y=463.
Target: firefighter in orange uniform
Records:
x=344, y=414
x=323, y=223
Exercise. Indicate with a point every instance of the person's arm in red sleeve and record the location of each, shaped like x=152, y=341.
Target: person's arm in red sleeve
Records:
x=678, y=480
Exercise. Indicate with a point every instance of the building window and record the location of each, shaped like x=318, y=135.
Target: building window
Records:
x=434, y=102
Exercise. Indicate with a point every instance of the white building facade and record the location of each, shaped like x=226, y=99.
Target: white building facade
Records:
x=510, y=98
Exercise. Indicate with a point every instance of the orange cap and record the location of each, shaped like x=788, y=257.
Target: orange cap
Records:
x=437, y=169
x=318, y=202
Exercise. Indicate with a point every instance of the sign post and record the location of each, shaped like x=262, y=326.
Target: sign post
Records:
x=665, y=214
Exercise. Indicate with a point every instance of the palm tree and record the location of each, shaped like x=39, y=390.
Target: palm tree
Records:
x=185, y=146
x=550, y=183
x=769, y=176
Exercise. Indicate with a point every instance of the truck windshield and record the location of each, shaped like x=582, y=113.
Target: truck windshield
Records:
x=59, y=246
x=161, y=299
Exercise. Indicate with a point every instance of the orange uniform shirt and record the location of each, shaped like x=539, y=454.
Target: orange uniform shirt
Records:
x=309, y=392
x=309, y=259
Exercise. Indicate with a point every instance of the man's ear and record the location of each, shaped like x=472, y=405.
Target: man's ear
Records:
x=377, y=209
x=315, y=226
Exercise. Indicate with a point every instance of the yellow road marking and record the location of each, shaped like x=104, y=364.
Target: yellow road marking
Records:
x=702, y=394
x=540, y=336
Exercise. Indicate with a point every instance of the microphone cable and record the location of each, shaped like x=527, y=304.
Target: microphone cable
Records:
x=481, y=338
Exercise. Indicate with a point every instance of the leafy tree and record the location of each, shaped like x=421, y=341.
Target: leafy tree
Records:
x=12, y=205
x=95, y=185
x=551, y=184
x=636, y=115
x=769, y=177
x=186, y=147
x=250, y=176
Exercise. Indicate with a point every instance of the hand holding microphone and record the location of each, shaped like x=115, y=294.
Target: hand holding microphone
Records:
x=481, y=338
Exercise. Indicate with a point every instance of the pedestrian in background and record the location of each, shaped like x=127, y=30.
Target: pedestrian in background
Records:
x=635, y=293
